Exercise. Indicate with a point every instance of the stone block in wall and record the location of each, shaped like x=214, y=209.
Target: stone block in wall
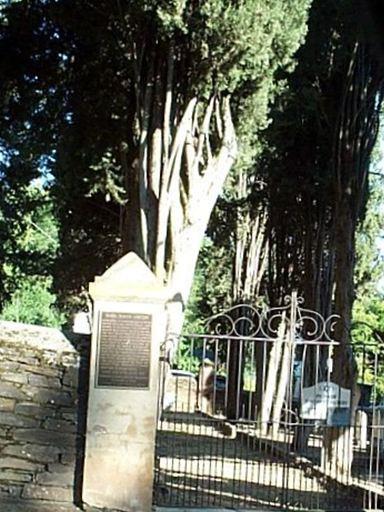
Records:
x=15, y=463
x=19, y=378
x=59, y=426
x=35, y=410
x=69, y=458
x=27, y=360
x=8, y=390
x=15, y=476
x=45, y=371
x=51, y=493
x=7, y=404
x=69, y=415
x=44, y=381
x=38, y=413
x=11, y=420
x=48, y=396
x=57, y=474
x=41, y=436
x=70, y=377
x=9, y=366
x=36, y=452
x=10, y=491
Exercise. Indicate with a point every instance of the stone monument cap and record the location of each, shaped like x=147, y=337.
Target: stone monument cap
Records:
x=128, y=279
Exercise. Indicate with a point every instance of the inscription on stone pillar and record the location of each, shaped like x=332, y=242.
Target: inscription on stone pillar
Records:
x=129, y=327
x=124, y=351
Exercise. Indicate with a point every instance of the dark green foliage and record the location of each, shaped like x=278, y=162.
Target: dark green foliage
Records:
x=77, y=71
x=211, y=292
x=368, y=308
x=33, y=303
x=312, y=177
x=298, y=180
x=369, y=259
x=24, y=250
x=29, y=252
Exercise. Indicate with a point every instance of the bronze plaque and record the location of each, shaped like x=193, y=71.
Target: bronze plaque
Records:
x=124, y=350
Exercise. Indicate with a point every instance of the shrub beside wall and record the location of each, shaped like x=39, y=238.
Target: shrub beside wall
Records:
x=38, y=413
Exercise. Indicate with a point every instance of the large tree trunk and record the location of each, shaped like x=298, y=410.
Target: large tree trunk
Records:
x=355, y=135
x=338, y=441
x=283, y=384
x=186, y=148
x=235, y=379
x=248, y=271
x=283, y=393
x=274, y=362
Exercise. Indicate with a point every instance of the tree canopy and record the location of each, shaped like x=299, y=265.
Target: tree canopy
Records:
x=139, y=110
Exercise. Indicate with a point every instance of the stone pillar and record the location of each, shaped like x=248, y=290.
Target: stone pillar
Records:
x=128, y=328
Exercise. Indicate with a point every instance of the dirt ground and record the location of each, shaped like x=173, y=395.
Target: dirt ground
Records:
x=198, y=465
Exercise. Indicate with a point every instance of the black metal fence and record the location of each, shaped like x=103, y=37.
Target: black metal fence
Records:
x=252, y=422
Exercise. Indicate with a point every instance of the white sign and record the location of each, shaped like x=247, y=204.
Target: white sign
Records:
x=82, y=323
x=320, y=401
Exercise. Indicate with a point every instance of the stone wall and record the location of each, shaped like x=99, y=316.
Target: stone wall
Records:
x=40, y=435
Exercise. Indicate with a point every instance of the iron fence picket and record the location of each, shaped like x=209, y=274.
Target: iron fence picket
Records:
x=205, y=459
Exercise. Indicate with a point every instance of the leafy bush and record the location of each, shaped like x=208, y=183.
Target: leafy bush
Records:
x=33, y=303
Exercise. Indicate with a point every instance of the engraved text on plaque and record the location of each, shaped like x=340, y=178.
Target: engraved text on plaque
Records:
x=124, y=349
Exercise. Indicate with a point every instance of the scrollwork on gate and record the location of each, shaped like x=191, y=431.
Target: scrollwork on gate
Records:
x=244, y=320
x=239, y=320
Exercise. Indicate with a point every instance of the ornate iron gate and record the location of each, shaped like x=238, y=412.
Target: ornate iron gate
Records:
x=250, y=418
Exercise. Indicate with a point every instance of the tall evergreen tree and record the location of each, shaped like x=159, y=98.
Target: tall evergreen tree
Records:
x=144, y=105
x=318, y=156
